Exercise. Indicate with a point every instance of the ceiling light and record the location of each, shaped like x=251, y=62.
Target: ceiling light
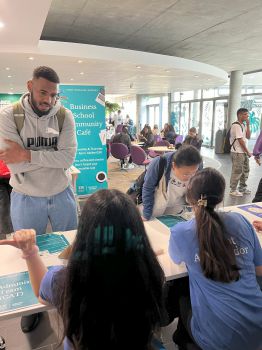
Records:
x=167, y=70
x=7, y=68
x=9, y=76
x=138, y=67
x=82, y=73
x=31, y=58
x=10, y=93
x=79, y=61
x=2, y=25
x=11, y=88
x=71, y=79
x=196, y=76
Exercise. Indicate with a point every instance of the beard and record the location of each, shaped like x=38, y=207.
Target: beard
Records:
x=35, y=108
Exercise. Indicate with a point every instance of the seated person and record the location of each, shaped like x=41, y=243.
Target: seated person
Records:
x=123, y=137
x=147, y=137
x=110, y=294
x=222, y=254
x=155, y=130
x=170, y=134
x=180, y=167
x=193, y=139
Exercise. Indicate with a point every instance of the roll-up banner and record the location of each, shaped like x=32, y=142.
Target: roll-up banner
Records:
x=87, y=104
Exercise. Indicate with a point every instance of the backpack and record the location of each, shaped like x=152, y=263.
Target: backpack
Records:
x=227, y=145
x=135, y=191
x=19, y=116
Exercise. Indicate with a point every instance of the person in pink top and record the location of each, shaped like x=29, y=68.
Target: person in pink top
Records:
x=5, y=190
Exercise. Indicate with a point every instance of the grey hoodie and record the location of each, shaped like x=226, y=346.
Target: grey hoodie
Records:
x=52, y=152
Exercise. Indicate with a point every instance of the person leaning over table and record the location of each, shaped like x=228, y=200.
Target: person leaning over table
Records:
x=110, y=294
x=169, y=196
x=223, y=255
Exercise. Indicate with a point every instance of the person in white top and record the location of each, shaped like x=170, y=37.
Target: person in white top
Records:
x=240, y=155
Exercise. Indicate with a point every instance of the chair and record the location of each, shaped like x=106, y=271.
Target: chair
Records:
x=163, y=143
x=179, y=139
x=139, y=156
x=119, y=151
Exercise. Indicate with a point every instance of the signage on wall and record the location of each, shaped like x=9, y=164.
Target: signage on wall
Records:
x=87, y=103
x=8, y=99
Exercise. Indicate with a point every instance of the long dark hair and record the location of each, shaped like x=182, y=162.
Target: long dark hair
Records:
x=112, y=297
x=217, y=259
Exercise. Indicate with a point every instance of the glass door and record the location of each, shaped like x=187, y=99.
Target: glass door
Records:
x=153, y=115
x=207, y=120
x=184, y=120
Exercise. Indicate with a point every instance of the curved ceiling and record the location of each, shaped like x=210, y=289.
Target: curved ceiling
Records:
x=156, y=26
x=223, y=33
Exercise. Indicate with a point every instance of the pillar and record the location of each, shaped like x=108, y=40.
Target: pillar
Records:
x=234, y=100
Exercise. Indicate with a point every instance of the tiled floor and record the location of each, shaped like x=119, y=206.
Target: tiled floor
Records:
x=44, y=337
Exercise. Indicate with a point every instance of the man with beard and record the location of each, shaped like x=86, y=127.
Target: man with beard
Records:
x=38, y=143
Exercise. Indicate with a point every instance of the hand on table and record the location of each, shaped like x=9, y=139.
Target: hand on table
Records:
x=258, y=225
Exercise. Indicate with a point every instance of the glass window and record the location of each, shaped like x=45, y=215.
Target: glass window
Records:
x=221, y=107
x=184, y=121
x=254, y=105
x=194, y=114
x=175, y=116
x=165, y=116
x=207, y=114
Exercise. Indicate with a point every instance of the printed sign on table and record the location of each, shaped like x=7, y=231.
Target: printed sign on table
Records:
x=16, y=292
x=87, y=104
x=252, y=209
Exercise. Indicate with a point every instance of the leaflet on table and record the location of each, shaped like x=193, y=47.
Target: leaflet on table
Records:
x=170, y=220
x=52, y=243
x=16, y=292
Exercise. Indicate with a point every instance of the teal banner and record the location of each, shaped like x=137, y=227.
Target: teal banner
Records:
x=8, y=99
x=87, y=104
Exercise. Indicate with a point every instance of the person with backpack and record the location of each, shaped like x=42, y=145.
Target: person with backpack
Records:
x=5, y=191
x=110, y=294
x=223, y=256
x=39, y=146
x=239, y=132
x=167, y=195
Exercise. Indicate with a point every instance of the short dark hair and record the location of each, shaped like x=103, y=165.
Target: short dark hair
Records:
x=193, y=129
x=46, y=73
x=187, y=155
x=241, y=111
x=125, y=130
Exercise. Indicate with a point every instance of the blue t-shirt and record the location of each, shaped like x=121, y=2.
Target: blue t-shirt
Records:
x=46, y=292
x=225, y=316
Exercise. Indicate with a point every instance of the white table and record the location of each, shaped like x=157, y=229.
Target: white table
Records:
x=158, y=233
x=161, y=149
x=11, y=263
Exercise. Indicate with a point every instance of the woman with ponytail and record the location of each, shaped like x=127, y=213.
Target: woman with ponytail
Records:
x=223, y=256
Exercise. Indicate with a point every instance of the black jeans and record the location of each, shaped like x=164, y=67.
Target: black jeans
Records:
x=5, y=220
x=178, y=304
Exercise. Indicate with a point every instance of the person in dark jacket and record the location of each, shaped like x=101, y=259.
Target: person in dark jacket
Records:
x=180, y=167
x=193, y=139
x=147, y=137
x=123, y=137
